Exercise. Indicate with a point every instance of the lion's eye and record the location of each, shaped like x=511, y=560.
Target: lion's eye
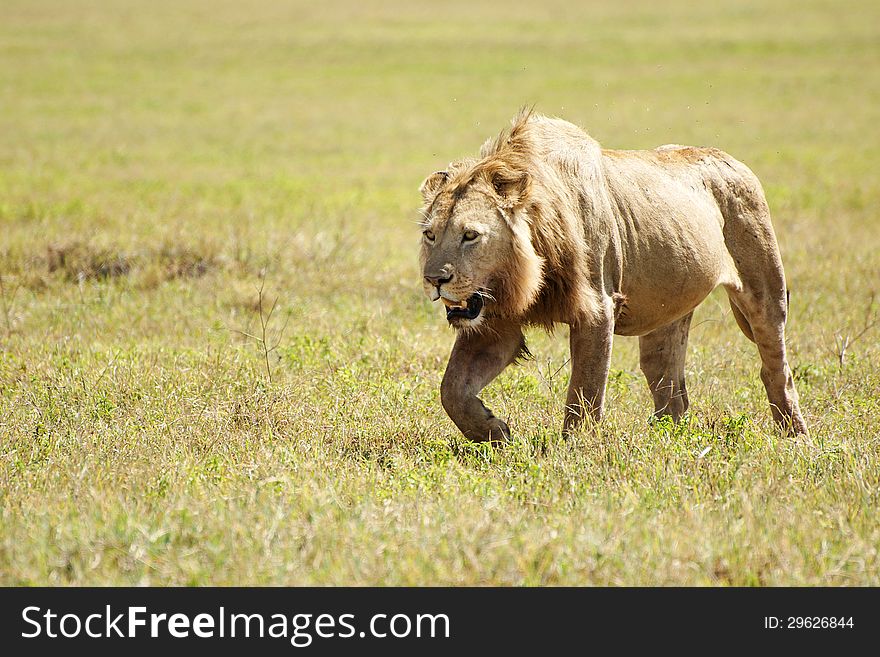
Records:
x=429, y=235
x=470, y=236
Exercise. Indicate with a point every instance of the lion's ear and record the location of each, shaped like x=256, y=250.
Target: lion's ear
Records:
x=431, y=185
x=512, y=187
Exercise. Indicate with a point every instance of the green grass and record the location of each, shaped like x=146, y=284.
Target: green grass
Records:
x=160, y=162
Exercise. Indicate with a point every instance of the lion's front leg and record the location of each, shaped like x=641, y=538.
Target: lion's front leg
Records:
x=590, y=359
x=476, y=359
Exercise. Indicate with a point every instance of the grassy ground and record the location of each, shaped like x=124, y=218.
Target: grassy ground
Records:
x=161, y=162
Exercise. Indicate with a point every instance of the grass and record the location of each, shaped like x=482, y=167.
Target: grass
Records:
x=170, y=173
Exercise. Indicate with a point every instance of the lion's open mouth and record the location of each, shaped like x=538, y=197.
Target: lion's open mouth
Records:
x=469, y=309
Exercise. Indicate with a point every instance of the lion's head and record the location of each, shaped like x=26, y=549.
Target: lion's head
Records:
x=477, y=253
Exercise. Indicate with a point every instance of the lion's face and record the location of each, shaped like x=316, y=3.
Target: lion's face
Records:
x=475, y=253
x=463, y=242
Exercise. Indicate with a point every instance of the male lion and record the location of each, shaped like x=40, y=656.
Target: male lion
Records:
x=546, y=226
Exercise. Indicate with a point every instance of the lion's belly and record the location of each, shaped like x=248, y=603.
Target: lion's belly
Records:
x=642, y=313
x=674, y=257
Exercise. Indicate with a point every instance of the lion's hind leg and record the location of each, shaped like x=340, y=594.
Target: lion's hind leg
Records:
x=758, y=298
x=661, y=356
x=764, y=311
x=741, y=320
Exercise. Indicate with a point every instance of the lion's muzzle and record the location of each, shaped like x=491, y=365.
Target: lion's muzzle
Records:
x=469, y=309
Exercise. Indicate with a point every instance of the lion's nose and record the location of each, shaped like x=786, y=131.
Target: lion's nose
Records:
x=437, y=281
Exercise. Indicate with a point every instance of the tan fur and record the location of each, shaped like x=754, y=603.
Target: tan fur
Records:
x=625, y=242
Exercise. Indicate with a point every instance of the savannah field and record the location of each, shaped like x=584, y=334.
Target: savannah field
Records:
x=217, y=365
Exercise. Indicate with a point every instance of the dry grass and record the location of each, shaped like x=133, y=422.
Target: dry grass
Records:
x=162, y=165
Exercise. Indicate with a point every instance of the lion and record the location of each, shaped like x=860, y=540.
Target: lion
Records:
x=545, y=227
